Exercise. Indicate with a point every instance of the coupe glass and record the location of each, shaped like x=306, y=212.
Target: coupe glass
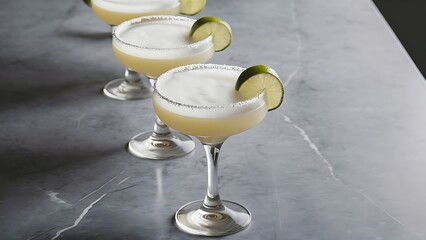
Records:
x=212, y=125
x=114, y=12
x=152, y=62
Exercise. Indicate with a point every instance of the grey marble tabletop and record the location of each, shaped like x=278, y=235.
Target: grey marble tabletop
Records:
x=344, y=157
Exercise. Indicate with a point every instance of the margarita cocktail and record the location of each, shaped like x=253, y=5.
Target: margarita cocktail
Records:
x=115, y=12
x=201, y=100
x=153, y=45
x=206, y=103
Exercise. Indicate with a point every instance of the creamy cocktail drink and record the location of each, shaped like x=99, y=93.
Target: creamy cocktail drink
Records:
x=156, y=44
x=115, y=12
x=213, y=110
x=153, y=45
x=213, y=102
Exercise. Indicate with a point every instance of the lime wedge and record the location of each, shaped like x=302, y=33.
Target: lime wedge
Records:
x=258, y=78
x=192, y=7
x=214, y=26
x=88, y=2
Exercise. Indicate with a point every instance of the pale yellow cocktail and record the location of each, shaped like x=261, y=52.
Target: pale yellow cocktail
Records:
x=153, y=45
x=203, y=102
x=115, y=12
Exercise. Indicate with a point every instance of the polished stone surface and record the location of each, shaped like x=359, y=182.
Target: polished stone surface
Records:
x=344, y=158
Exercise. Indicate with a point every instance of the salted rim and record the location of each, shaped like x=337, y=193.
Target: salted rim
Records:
x=135, y=21
x=169, y=73
x=130, y=4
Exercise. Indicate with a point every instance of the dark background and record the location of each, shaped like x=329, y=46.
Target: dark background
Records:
x=408, y=20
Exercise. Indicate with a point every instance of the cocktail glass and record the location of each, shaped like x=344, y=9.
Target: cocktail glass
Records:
x=153, y=45
x=208, y=108
x=114, y=12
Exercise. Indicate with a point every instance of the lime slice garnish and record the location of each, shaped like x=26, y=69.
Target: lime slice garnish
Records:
x=258, y=78
x=88, y=2
x=214, y=26
x=192, y=7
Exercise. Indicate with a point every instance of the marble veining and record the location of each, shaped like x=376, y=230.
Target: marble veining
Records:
x=331, y=171
x=314, y=147
x=53, y=197
x=122, y=181
x=41, y=233
x=330, y=168
x=102, y=186
x=385, y=211
x=78, y=220
x=299, y=48
x=278, y=231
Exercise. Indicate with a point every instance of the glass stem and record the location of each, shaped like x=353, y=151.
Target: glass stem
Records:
x=131, y=77
x=160, y=128
x=212, y=200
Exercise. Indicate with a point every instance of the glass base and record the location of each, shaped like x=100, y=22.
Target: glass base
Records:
x=121, y=90
x=197, y=220
x=147, y=145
